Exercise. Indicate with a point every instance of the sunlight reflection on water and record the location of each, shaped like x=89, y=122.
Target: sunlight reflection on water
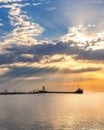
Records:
x=52, y=112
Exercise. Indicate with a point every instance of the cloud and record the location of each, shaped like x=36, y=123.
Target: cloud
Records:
x=82, y=70
x=11, y=58
x=96, y=55
x=36, y=57
x=1, y=24
x=36, y=4
x=87, y=38
x=10, y=1
x=6, y=1
x=4, y=71
x=35, y=53
x=79, y=34
x=51, y=8
x=27, y=55
x=29, y=71
x=41, y=49
x=69, y=48
x=24, y=30
x=26, y=72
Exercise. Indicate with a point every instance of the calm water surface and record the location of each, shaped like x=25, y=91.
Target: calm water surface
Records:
x=52, y=112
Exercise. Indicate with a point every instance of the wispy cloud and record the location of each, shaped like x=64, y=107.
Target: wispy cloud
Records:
x=4, y=71
x=1, y=24
x=19, y=72
x=51, y=8
x=36, y=4
x=6, y=1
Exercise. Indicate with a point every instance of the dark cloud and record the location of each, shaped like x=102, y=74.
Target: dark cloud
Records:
x=15, y=58
x=41, y=50
x=57, y=60
x=38, y=51
x=18, y=72
x=28, y=71
x=95, y=55
x=81, y=70
x=18, y=54
x=7, y=58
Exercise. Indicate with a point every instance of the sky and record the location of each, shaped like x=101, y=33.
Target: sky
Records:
x=56, y=43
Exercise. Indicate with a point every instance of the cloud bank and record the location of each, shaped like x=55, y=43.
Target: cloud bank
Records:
x=22, y=55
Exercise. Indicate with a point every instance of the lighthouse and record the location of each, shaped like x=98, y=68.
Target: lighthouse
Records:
x=43, y=89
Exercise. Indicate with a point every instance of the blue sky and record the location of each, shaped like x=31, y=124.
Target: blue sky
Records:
x=51, y=42
x=56, y=15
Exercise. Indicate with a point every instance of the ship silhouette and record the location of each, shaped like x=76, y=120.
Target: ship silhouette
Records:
x=79, y=90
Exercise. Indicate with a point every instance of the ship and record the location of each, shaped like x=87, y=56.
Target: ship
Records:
x=79, y=91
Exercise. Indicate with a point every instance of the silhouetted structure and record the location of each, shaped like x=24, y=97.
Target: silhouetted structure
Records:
x=78, y=91
x=43, y=90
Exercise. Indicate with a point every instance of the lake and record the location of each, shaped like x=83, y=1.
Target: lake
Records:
x=52, y=112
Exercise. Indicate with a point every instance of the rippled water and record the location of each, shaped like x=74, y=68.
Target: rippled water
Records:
x=52, y=112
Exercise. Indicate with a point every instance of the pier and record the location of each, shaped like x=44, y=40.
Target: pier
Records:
x=43, y=91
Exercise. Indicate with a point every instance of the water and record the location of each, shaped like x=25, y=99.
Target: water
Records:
x=52, y=112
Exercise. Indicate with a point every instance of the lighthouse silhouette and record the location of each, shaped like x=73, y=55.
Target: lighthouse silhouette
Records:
x=43, y=88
